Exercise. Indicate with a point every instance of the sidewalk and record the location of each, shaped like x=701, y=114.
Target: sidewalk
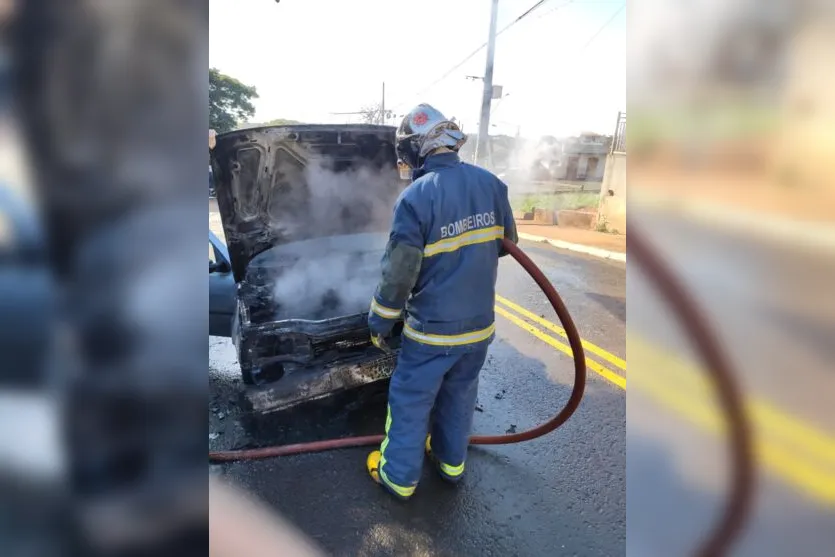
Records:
x=598, y=244
x=752, y=193
x=774, y=225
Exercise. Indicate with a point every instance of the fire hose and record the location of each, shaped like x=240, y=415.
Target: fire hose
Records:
x=738, y=503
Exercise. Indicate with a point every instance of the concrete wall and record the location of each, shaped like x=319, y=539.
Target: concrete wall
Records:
x=804, y=151
x=612, y=208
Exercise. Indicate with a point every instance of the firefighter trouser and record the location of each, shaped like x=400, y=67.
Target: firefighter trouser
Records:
x=423, y=379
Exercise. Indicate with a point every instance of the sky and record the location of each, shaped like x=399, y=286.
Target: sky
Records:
x=562, y=68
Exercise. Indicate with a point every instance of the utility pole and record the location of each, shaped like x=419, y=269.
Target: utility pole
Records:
x=383, y=106
x=482, y=144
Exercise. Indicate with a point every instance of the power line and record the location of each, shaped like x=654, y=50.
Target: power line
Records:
x=597, y=33
x=479, y=49
x=602, y=27
x=599, y=30
x=511, y=24
x=521, y=17
x=555, y=8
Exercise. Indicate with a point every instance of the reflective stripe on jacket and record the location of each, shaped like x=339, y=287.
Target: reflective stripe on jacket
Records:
x=456, y=215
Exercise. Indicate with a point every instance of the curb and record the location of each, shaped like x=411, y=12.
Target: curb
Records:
x=819, y=235
x=579, y=248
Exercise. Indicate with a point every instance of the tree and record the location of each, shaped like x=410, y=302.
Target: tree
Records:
x=373, y=114
x=230, y=101
x=275, y=122
x=370, y=114
x=281, y=122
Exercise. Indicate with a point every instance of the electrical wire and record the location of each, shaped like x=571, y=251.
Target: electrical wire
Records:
x=597, y=33
x=602, y=27
x=476, y=51
x=508, y=26
x=555, y=8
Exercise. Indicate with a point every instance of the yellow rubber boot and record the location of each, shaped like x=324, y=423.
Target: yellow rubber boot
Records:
x=443, y=470
x=372, y=463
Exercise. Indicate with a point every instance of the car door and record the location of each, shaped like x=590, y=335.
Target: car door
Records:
x=222, y=291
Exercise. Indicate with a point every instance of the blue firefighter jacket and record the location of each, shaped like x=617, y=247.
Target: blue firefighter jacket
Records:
x=454, y=215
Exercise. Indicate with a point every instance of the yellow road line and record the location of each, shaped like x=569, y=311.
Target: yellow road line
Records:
x=813, y=481
x=696, y=406
x=611, y=376
x=588, y=346
x=766, y=416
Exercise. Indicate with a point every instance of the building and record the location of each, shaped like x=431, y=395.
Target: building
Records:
x=582, y=158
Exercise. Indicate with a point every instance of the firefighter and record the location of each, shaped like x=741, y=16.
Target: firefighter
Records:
x=439, y=277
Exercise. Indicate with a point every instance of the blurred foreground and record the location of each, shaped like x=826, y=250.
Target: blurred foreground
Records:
x=102, y=278
x=731, y=147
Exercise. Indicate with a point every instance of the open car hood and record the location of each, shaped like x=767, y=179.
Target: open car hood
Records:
x=282, y=184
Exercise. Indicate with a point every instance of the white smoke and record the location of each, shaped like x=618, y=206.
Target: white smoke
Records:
x=331, y=283
x=528, y=163
x=348, y=202
x=334, y=269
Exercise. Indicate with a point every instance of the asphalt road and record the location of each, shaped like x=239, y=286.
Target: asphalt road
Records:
x=773, y=310
x=564, y=494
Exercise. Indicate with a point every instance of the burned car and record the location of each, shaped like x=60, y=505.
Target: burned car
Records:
x=306, y=211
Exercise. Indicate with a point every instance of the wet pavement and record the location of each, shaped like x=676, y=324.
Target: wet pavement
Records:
x=772, y=308
x=563, y=494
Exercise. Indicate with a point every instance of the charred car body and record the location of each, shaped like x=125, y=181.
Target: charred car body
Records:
x=306, y=211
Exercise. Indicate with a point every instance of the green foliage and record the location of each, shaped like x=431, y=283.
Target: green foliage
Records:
x=718, y=121
x=281, y=122
x=230, y=101
x=275, y=122
x=560, y=201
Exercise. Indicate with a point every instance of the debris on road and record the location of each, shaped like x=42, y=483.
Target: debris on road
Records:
x=500, y=395
x=511, y=429
x=213, y=436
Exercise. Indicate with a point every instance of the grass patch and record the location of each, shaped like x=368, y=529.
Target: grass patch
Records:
x=719, y=122
x=555, y=202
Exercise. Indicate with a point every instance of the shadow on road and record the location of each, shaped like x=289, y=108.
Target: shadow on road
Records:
x=670, y=510
x=614, y=305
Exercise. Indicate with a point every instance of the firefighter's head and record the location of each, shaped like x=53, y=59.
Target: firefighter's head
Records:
x=423, y=131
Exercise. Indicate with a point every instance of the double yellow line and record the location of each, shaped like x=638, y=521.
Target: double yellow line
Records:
x=797, y=452
x=609, y=375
